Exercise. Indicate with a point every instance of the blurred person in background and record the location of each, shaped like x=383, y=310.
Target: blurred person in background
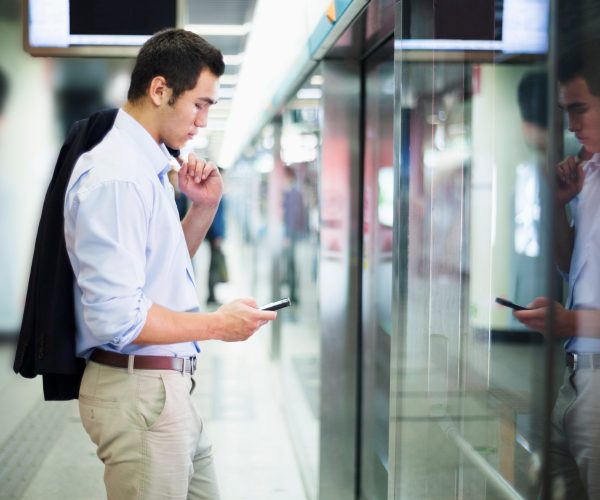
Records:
x=137, y=317
x=217, y=271
x=3, y=94
x=294, y=224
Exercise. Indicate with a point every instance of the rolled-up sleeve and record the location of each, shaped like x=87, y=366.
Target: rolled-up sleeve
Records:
x=108, y=252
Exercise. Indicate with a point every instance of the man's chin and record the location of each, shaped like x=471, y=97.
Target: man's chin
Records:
x=176, y=144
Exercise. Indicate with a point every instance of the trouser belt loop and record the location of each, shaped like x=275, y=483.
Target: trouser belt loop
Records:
x=130, y=361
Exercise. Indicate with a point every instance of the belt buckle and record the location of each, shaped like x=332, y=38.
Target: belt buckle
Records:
x=192, y=364
x=574, y=355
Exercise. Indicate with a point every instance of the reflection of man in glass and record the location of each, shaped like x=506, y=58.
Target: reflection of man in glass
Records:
x=526, y=262
x=576, y=418
x=294, y=226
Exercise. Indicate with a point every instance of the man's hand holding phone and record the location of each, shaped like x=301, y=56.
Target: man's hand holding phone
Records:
x=241, y=318
x=535, y=317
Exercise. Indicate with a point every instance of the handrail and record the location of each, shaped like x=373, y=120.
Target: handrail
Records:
x=491, y=474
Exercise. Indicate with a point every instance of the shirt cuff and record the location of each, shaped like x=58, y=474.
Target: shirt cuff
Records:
x=119, y=342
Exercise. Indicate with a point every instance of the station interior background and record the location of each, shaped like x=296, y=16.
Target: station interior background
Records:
x=394, y=374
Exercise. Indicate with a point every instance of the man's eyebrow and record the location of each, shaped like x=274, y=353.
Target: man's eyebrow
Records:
x=571, y=106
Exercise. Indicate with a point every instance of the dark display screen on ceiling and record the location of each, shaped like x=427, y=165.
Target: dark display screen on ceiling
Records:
x=509, y=26
x=84, y=27
x=120, y=17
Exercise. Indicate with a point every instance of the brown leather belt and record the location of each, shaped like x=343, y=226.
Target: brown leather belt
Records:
x=183, y=365
x=580, y=361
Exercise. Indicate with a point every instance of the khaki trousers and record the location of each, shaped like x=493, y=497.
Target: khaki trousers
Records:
x=148, y=434
x=575, y=451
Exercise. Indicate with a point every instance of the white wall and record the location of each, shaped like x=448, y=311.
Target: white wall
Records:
x=28, y=148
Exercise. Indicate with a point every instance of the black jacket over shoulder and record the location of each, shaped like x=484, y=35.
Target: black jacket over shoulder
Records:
x=47, y=339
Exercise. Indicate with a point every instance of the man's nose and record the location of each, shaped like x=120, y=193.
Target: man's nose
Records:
x=573, y=123
x=200, y=120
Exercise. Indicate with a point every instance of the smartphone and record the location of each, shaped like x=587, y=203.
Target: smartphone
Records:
x=512, y=305
x=274, y=306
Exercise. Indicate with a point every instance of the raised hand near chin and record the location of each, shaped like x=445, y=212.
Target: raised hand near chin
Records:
x=569, y=179
x=200, y=181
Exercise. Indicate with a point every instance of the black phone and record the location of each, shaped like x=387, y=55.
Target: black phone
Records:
x=512, y=305
x=274, y=306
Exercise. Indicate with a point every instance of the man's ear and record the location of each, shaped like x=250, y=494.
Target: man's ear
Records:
x=158, y=91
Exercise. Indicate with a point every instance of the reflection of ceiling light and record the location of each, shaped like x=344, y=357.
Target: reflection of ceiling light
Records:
x=268, y=142
x=298, y=148
x=220, y=29
x=309, y=94
x=228, y=79
x=264, y=164
x=385, y=202
x=116, y=91
x=316, y=80
x=233, y=59
x=226, y=92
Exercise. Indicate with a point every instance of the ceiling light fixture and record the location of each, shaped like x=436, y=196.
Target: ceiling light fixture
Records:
x=233, y=59
x=316, y=80
x=220, y=29
x=228, y=79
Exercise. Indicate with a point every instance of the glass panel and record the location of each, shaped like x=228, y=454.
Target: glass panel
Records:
x=575, y=440
x=274, y=194
x=468, y=380
x=378, y=198
x=300, y=341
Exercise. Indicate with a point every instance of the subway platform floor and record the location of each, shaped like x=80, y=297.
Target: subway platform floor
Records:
x=46, y=454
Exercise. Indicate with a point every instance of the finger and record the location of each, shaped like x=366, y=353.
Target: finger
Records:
x=183, y=170
x=574, y=169
x=198, y=172
x=539, y=302
x=192, y=165
x=533, y=324
x=561, y=173
x=580, y=172
x=267, y=315
x=192, y=157
x=182, y=176
x=249, y=301
x=209, y=168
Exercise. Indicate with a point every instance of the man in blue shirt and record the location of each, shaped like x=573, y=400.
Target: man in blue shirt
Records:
x=575, y=459
x=137, y=314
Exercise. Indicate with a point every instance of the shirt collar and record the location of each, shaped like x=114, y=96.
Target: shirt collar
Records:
x=594, y=162
x=156, y=154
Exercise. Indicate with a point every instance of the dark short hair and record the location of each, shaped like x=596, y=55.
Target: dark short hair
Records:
x=532, y=94
x=3, y=90
x=583, y=60
x=177, y=55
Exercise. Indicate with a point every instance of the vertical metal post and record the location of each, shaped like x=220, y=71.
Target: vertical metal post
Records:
x=275, y=230
x=339, y=274
x=553, y=155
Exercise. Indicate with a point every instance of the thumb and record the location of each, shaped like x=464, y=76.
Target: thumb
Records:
x=539, y=302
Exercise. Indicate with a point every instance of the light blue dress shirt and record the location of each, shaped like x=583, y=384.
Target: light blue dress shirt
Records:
x=584, y=272
x=125, y=242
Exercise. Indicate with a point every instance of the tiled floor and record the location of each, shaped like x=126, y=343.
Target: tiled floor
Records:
x=46, y=454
